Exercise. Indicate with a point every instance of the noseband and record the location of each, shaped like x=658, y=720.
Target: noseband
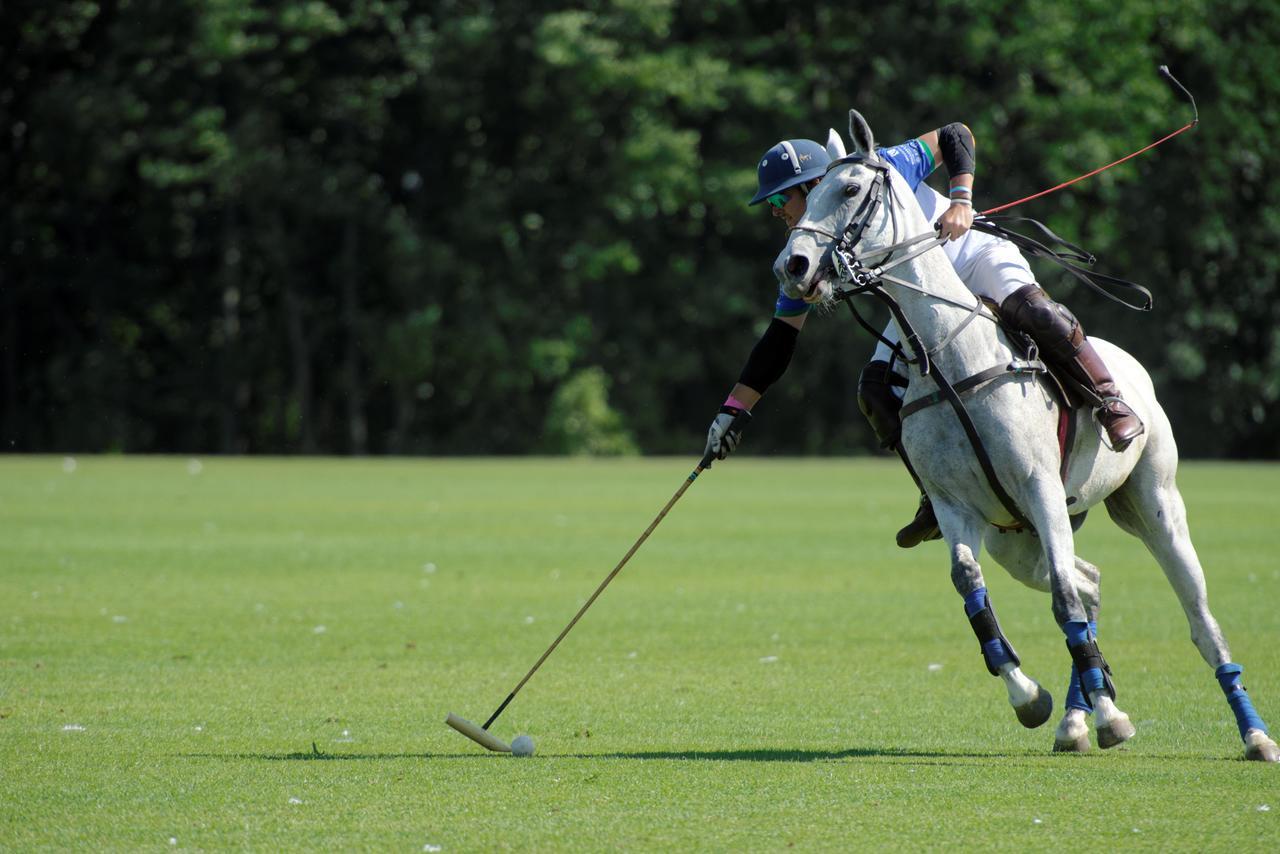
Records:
x=842, y=258
x=851, y=270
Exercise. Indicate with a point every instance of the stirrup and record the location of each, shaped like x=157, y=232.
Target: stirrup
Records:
x=923, y=527
x=1117, y=444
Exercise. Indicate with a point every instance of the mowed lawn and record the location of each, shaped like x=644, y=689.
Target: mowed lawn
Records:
x=260, y=654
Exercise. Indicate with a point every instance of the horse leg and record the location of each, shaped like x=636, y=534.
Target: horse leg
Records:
x=1150, y=507
x=1021, y=555
x=1046, y=509
x=1072, y=734
x=1031, y=703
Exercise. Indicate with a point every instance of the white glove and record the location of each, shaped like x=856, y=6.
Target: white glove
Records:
x=723, y=437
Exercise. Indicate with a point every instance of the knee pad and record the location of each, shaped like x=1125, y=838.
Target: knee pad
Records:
x=879, y=404
x=1050, y=324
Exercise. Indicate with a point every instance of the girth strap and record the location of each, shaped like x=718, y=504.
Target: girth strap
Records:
x=1016, y=367
x=949, y=394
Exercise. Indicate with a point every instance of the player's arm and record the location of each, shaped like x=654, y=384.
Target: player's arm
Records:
x=767, y=363
x=953, y=145
x=750, y=396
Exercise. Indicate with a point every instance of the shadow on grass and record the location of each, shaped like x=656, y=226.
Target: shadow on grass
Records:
x=761, y=755
x=785, y=755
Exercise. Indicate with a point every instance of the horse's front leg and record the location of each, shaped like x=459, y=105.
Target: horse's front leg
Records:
x=1031, y=703
x=1021, y=554
x=1069, y=608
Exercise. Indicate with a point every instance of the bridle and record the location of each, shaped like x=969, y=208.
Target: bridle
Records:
x=852, y=270
x=856, y=271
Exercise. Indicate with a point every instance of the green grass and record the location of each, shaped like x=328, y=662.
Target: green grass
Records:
x=769, y=671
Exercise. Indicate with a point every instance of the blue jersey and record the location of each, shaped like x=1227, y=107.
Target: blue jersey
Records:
x=914, y=162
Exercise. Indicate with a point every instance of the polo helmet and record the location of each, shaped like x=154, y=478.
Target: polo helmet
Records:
x=790, y=162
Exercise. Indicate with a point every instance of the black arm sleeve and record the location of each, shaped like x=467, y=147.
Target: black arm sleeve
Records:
x=955, y=141
x=770, y=357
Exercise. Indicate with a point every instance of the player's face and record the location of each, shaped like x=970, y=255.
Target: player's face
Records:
x=788, y=205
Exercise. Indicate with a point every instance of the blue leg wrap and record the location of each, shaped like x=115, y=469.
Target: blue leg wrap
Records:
x=994, y=653
x=996, y=649
x=1089, y=663
x=1075, y=694
x=1077, y=632
x=1246, y=716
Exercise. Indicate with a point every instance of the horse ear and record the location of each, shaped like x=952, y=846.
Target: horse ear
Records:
x=860, y=133
x=835, y=145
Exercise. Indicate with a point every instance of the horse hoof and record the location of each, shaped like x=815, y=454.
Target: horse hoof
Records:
x=1116, y=731
x=1072, y=745
x=1034, y=713
x=1258, y=747
x=1072, y=736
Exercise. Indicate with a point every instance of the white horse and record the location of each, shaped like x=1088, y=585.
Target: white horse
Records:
x=1017, y=420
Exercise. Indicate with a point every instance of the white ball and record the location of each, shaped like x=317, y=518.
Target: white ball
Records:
x=522, y=745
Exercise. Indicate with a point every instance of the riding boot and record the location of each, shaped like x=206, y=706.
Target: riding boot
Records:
x=881, y=406
x=925, y=525
x=1063, y=344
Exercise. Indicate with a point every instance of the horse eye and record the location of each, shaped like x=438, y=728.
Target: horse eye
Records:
x=852, y=190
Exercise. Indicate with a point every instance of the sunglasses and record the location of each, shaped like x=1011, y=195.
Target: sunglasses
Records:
x=777, y=200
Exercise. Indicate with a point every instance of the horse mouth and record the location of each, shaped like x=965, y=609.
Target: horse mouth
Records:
x=820, y=290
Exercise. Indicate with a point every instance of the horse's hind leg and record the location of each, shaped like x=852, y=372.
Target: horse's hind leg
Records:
x=1021, y=555
x=1150, y=507
x=1031, y=703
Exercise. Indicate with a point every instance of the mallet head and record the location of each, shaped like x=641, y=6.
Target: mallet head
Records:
x=480, y=736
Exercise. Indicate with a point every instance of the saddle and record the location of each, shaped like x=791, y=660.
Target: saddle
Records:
x=1069, y=394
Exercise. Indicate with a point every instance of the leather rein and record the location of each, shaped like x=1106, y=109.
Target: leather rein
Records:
x=851, y=270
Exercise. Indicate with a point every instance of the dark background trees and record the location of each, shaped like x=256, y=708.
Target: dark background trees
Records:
x=381, y=226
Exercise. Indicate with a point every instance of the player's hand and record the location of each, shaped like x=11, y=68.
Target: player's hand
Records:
x=957, y=220
x=722, y=437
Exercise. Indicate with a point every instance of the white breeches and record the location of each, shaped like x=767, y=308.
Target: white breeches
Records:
x=994, y=273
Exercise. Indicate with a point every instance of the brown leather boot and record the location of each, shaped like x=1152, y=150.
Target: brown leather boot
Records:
x=1121, y=423
x=1063, y=344
x=880, y=406
x=923, y=527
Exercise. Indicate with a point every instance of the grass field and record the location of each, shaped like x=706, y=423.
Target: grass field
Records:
x=259, y=654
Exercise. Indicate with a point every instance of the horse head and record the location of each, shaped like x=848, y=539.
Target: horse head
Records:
x=847, y=193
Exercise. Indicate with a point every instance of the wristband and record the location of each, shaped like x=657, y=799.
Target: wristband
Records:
x=961, y=188
x=966, y=202
x=736, y=404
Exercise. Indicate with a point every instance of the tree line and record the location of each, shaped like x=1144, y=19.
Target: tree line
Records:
x=383, y=226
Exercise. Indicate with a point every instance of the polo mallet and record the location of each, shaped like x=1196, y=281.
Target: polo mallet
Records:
x=480, y=734
x=1195, y=120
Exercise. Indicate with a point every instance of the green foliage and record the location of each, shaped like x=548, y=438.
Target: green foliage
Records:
x=580, y=421
x=273, y=198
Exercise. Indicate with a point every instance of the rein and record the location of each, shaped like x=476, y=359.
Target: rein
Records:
x=850, y=268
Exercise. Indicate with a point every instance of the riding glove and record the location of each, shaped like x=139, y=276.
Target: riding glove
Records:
x=721, y=440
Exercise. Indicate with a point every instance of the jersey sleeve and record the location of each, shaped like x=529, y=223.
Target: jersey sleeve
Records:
x=912, y=159
x=788, y=307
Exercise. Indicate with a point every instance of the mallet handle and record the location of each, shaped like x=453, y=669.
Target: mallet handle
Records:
x=702, y=466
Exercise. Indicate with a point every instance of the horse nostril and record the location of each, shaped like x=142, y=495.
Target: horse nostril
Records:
x=797, y=265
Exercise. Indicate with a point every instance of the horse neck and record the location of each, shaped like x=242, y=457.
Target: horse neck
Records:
x=977, y=346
